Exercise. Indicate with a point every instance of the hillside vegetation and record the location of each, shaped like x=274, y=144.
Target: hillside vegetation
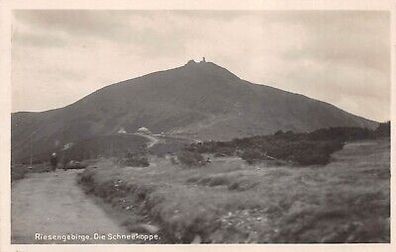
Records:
x=294, y=148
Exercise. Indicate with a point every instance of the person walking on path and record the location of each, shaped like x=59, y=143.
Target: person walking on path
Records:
x=54, y=161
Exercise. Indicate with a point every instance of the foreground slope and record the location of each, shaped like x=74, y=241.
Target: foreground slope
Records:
x=198, y=100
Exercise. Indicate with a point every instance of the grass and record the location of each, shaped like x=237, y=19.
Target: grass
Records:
x=168, y=145
x=19, y=171
x=230, y=201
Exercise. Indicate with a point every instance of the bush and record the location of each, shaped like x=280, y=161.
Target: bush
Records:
x=341, y=133
x=301, y=148
x=75, y=165
x=383, y=130
x=191, y=158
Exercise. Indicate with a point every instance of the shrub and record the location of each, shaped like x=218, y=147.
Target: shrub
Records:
x=383, y=130
x=341, y=133
x=301, y=148
x=75, y=165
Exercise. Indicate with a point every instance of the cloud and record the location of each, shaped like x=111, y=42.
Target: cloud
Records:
x=359, y=38
x=341, y=57
x=104, y=24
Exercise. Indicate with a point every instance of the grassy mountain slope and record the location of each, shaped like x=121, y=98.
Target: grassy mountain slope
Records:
x=198, y=100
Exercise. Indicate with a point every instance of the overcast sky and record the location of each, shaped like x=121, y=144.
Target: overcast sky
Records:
x=340, y=57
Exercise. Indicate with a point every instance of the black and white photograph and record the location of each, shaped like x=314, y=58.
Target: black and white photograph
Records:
x=199, y=126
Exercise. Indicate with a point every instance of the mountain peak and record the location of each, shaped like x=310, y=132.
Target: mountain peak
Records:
x=193, y=62
x=207, y=67
x=190, y=63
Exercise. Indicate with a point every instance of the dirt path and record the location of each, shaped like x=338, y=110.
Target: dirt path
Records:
x=152, y=140
x=53, y=204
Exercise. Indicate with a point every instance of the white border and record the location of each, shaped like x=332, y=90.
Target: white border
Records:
x=5, y=107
